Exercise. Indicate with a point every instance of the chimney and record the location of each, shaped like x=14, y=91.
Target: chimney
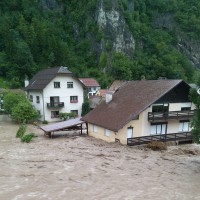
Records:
x=26, y=82
x=109, y=95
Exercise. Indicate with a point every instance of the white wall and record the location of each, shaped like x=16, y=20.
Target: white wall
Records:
x=64, y=93
x=38, y=106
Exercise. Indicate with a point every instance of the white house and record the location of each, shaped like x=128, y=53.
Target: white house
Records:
x=55, y=90
x=91, y=84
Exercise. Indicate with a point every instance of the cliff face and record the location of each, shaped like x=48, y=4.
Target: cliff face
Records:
x=191, y=49
x=116, y=34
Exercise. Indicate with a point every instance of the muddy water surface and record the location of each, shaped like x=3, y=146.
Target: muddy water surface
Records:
x=85, y=168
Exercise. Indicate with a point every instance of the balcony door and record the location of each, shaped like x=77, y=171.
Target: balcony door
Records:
x=54, y=101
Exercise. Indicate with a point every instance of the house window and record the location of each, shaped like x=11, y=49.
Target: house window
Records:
x=39, y=112
x=37, y=99
x=70, y=85
x=95, y=129
x=107, y=132
x=73, y=99
x=75, y=112
x=54, y=114
x=160, y=108
x=157, y=129
x=31, y=98
x=186, y=106
x=56, y=84
x=184, y=126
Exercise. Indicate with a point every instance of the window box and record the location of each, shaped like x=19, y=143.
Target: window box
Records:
x=73, y=101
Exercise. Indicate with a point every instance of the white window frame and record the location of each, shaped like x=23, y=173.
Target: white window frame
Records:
x=73, y=99
x=107, y=132
x=70, y=84
x=184, y=126
x=56, y=84
x=158, y=129
x=53, y=114
x=95, y=129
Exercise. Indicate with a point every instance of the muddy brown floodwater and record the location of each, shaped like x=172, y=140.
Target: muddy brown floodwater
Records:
x=86, y=168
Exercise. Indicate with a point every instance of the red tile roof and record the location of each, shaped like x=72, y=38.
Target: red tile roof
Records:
x=102, y=93
x=128, y=102
x=89, y=82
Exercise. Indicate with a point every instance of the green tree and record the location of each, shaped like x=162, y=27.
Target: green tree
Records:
x=11, y=100
x=24, y=111
x=85, y=106
x=121, y=67
x=195, y=123
x=19, y=107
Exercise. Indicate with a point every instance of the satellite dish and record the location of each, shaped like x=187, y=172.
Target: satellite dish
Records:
x=198, y=91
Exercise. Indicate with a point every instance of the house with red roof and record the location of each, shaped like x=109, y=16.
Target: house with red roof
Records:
x=91, y=84
x=143, y=110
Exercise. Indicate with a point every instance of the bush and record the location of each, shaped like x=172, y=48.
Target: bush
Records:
x=21, y=130
x=45, y=122
x=156, y=145
x=27, y=138
x=66, y=116
x=24, y=111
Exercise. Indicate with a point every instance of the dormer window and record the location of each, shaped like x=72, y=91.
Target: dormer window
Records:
x=56, y=84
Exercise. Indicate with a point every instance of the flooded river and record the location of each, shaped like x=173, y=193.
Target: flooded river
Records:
x=83, y=168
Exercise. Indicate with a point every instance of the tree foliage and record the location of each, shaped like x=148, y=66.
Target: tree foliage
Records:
x=195, y=123
x=19, y=107
x=85, y=106
x=35, y=35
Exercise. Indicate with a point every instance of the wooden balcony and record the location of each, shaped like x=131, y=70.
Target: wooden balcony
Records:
x=164, y=116
x=181, y=136
x=55, y=105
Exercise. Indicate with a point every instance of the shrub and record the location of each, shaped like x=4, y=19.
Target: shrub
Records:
x=156, y=145
x=24, y=111
x=45, y=122
x=27, y=138
x=66, y=116
x=21, y=130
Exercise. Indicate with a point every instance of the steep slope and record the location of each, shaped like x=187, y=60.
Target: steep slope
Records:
x=105, y=39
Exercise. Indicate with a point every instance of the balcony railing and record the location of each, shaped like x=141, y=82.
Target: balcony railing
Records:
x=180, y=115
x=181, y=136
x=55, y=105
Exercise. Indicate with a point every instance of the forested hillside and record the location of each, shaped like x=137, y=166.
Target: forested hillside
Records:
x=104, y=39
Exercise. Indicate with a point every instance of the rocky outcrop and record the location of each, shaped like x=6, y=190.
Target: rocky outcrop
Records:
x=191, y=49
x=116, y=34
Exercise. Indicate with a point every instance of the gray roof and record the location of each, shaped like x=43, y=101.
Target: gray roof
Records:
x=43, y=77
x=129, y=101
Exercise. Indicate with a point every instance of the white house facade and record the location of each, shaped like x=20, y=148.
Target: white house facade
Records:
x=54, y=91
